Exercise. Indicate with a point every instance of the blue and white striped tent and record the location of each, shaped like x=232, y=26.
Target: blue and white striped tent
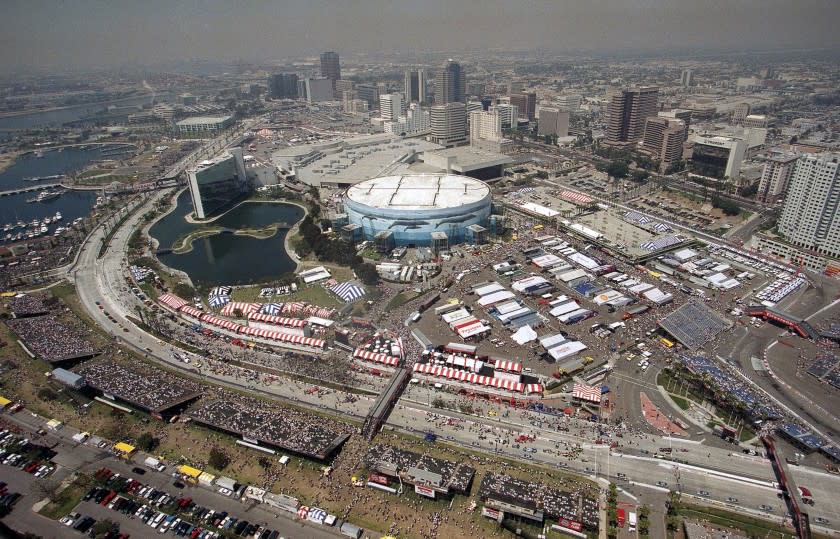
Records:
x=348, y=291
x=271, y=308
x=221, y=291
x=218, y=301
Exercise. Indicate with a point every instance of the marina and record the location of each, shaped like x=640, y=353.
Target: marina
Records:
x=21, y=230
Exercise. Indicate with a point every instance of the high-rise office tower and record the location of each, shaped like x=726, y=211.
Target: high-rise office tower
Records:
x=448, y=124
x=218, y=183
x=686, y=78
x=369, y=93
x=810, y=217
x=775, y=176
x=508, y=113
x=318, y=90
x=415, y=86
x=553, y=122
x=450, y=84
x=663, y=139
x=330, y=68
x=390, y=107
x=473, y=106
x=741, y=111
x=678, y=114
x=342, y=86
x=627, y=111
x=569, y=102
x=527, y=103
x=283, y=86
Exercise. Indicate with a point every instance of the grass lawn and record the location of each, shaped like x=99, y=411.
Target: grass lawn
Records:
x=64, y=502
x=681, y=402
x=666, y=380
x=316, y=295
x=401, y=299
x=752, y=527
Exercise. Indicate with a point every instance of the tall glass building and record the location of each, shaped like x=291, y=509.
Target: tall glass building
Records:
x=217, y=184
x=414, y=206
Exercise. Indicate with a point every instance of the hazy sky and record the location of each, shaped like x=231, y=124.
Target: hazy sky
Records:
x=92, y=32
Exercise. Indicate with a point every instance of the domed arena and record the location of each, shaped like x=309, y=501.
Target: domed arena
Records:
x=412, y=207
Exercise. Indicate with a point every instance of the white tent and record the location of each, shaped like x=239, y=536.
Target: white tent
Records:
x=525, y=334
x=496, y=297
x=566, y=349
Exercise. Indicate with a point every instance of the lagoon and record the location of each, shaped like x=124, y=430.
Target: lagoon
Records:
x=228, y=259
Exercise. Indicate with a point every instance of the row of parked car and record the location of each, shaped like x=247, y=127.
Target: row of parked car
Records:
x=16, y=451
x=7, y=499
x=166, y=513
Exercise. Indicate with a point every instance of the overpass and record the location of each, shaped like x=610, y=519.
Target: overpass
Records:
x=385, y=402
x=800, y=326
x=36, y=187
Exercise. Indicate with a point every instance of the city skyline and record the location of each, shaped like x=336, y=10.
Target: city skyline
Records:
x=93, y=34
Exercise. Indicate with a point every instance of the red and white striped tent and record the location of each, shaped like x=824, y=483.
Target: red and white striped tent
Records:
x=293, y=307
x=385, y=359
x=575, y=197
x=298, y=339
x=256, y=332
x=324, y=312
x=243, y=307
x=277, y=320
x=220, y=322
x=534, y=388
x=172, y=301
x=464, y=376
x=282, y=337
x=191, y=311
x=586, y=393
x=509, y=366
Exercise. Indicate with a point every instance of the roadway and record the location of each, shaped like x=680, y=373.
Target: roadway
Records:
x=705, y=467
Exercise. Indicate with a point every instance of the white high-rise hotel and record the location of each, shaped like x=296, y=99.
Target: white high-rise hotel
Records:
x=415, y=121
x=390, y=106
x=485, y=125
x=810, y=218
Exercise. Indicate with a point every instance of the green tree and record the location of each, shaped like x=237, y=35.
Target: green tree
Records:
x=749, y=191
x=47, y=394
x=618, y=169
x=218, y=459
x=366, y=272
x=728, y=207
x=104, y=526
x=147, y=442
x=184, y=290
x=639, y=176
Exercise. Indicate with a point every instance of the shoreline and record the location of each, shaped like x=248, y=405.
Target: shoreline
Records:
x=65, y=107
x=7, y=160
x=185, y=245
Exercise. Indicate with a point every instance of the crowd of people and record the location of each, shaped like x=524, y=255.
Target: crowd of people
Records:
x=50, y=338
x=24, y=305
x=42, y=254
x=288, y=428
x=151, y=389
x=455, y=476
x=330, y=367
x=556, y=503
